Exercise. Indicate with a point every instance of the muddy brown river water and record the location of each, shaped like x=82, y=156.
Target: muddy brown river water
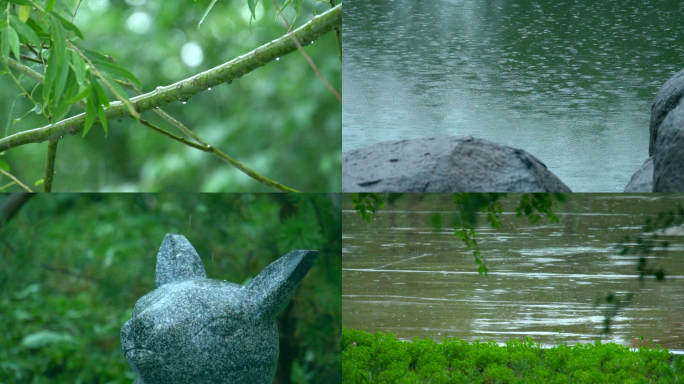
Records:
x=401, y=275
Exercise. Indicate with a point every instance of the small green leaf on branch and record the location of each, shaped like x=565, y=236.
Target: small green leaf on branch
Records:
x=25, y=31
x=205, y=14
x=24, y=12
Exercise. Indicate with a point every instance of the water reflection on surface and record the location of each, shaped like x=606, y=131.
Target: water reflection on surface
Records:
x=570, y=82
x=400, y=275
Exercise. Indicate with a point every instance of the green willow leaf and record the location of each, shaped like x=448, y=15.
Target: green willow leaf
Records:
x=5, y=51
x=50, y=74
x=96, y=92
x=252, y=8
x=91, y=112
x=283, y=8
x=4, y=166
x=50, y=5
x=24, y=12
x=116, y=71
x=38, y=29
x=79, y=96
x=104, y=64
x=298, y=7
x=60, y=52
x=14, y=42
x=206, y=13
x=65, y=107
x=68, y=25
x=101, y=95
x=103, y=118
x=118, y=88
x=78, y=65
x=3, y=24
x=25, y=32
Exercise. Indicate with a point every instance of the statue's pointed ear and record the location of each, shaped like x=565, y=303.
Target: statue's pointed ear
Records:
x=273, y=288
x=177, y=260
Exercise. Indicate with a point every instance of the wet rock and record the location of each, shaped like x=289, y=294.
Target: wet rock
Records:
x=668, y=157
x=445, y=164
x=666, y=100
x=642, y=180
x=192, y=329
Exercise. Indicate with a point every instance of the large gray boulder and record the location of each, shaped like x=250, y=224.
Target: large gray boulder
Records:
x=668, y=157
x=642, y=179
x=666, y=100
x=192, y=329
x=445, y=164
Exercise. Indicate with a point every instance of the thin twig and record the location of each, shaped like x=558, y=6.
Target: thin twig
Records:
x=174, y=137
x=20, y=86
x=50, y=165
x=210, y=148
x=301, y=49
x=31, y=59
x=15, y=180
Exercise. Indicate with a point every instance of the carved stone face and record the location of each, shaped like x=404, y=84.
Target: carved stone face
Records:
x=192, y=329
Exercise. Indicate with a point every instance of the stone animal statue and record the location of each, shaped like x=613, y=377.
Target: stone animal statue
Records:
x=192, y=329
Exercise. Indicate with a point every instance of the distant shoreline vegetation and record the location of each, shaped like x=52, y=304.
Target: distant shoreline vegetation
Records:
x=382, y=358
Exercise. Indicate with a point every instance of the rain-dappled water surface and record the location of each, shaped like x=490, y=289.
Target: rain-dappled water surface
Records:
x=569, y=82
x=400, y=275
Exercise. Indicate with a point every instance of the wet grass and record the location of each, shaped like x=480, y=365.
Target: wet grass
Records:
x=382, y=358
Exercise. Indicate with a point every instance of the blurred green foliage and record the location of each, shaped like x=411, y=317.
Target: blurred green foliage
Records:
x=280, y=120
x=73, y=266
x=383, y=358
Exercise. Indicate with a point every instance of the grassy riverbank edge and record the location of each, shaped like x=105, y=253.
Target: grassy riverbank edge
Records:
x=382, y=358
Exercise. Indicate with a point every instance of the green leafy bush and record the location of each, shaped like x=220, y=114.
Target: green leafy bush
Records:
x=367, y=358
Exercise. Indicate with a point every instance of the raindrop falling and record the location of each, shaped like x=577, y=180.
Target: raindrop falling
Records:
x=184, y=102
x=208, y=88
x=277, y=58
x=311, y=41
x=61, y=137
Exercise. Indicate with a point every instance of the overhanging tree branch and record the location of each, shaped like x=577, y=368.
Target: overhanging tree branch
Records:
x=183, y=90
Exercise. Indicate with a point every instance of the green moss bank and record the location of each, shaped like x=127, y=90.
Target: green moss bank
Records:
x=383, y=358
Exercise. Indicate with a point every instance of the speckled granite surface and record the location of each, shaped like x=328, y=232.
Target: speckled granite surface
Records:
x=192, y=329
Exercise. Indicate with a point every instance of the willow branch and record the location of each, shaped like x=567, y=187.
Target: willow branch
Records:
x=206, y=147
x=15, y=180
x=50, y=165
x=174, y=137
x=25, y=70
x=191, y=86
x=301, y=50
x=203, y=146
